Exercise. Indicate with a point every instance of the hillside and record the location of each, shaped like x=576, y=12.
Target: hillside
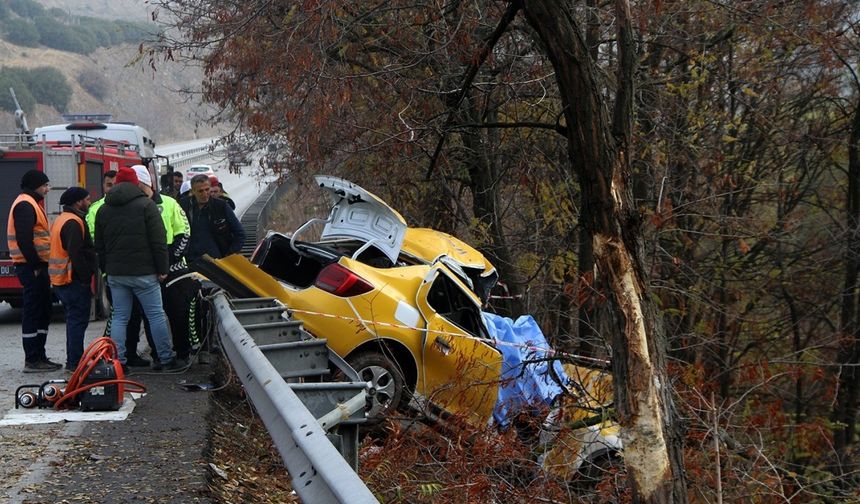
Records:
x=133, y=91
x=128, y=10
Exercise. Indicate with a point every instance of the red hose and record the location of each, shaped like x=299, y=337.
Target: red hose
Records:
x=101, y=349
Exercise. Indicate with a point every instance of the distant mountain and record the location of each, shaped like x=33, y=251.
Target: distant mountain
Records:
x=113, y=80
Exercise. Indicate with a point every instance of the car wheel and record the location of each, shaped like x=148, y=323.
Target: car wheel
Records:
x=386, y=381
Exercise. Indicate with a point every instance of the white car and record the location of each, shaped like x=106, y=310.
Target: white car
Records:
x=200, y=169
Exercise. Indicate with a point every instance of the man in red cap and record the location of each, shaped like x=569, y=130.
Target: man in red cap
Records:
x=132, y=247
x=216, y=190
x=71, y=267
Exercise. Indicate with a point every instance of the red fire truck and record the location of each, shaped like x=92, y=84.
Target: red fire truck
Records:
x=81, y=161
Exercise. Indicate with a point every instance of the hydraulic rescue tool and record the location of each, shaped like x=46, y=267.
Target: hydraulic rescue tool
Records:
x=97, y=384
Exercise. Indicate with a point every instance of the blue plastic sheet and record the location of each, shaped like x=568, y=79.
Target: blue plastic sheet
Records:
x=524, y=386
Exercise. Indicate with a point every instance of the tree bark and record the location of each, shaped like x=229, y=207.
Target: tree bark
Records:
x=599, y=156
x=848, y=354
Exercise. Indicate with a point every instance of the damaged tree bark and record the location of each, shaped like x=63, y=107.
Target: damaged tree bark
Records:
x=598, y=154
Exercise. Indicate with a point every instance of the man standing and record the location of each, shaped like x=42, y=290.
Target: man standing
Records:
x=216, y=190
x=29, y=241
x=71, y=267
x=108, y=180
x=171, y=182
x=130, y=241
x=215, y=230
x=176, y=295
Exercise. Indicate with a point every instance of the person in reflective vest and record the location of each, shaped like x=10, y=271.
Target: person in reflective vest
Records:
x=71, y=267
x=29, y=241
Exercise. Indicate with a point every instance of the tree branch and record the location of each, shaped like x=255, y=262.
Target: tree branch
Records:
x=477, y=62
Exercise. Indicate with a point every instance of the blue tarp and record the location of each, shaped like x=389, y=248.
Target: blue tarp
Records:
x=523, y=385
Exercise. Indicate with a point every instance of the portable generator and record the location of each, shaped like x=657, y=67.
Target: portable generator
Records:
x=102, y=397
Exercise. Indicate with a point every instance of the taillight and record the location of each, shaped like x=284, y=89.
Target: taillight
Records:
x=342, y=282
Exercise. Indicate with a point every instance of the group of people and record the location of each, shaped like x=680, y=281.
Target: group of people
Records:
x=140, y=239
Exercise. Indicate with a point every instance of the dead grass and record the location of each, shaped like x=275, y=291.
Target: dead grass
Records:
x=245, y=466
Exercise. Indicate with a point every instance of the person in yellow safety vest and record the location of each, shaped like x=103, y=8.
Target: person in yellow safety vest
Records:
x=71, y=267
x=29, y=241
x=179, y=295
x=108, y=181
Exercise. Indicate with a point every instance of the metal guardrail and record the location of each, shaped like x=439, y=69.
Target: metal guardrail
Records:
x=256, y=217
x=321, y=473
x=186, y=157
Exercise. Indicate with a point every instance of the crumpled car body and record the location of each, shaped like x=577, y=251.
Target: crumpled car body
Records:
x=402, y=305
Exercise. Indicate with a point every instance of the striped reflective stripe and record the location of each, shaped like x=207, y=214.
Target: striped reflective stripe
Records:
x=41, y=331
x=32, y=335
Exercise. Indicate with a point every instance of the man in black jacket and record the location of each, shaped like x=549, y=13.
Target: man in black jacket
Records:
x=132, y=247
x=215, y=230
x=29, y=239
x=71, y=267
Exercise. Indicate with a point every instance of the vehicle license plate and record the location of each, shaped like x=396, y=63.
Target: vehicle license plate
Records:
x=7, y=270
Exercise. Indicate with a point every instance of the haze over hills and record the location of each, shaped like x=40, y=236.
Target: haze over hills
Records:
x=132, y=91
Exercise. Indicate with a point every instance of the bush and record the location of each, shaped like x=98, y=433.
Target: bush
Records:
x=43, y=85
x=59, y=36
x=49, y=87
x=27, y=8
x=22, y=33
x=93, y=83
x=11, y=77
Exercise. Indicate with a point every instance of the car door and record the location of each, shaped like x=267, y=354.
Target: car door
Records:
x=461, y=371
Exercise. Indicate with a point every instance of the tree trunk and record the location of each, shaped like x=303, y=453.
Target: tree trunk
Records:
x=598, y=153
x=848, y=354
x=484, y=185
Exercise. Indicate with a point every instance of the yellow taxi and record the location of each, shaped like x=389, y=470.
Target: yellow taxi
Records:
x=402, y=305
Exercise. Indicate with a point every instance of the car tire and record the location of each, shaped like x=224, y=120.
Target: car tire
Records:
x=386, y=380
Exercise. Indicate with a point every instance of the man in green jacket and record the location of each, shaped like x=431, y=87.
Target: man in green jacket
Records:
x=108, y=180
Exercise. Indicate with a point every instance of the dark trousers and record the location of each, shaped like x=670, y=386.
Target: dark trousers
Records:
x=35, y=311
x=179, y=301
x=132, y=335
x=76, y=303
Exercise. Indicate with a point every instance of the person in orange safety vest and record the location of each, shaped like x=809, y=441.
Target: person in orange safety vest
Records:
x=71, y=267
x=29, y=241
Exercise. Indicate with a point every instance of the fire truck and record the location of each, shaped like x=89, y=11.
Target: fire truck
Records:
x=68, y=160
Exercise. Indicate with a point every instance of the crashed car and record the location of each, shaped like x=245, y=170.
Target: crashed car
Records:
x=402, y=305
